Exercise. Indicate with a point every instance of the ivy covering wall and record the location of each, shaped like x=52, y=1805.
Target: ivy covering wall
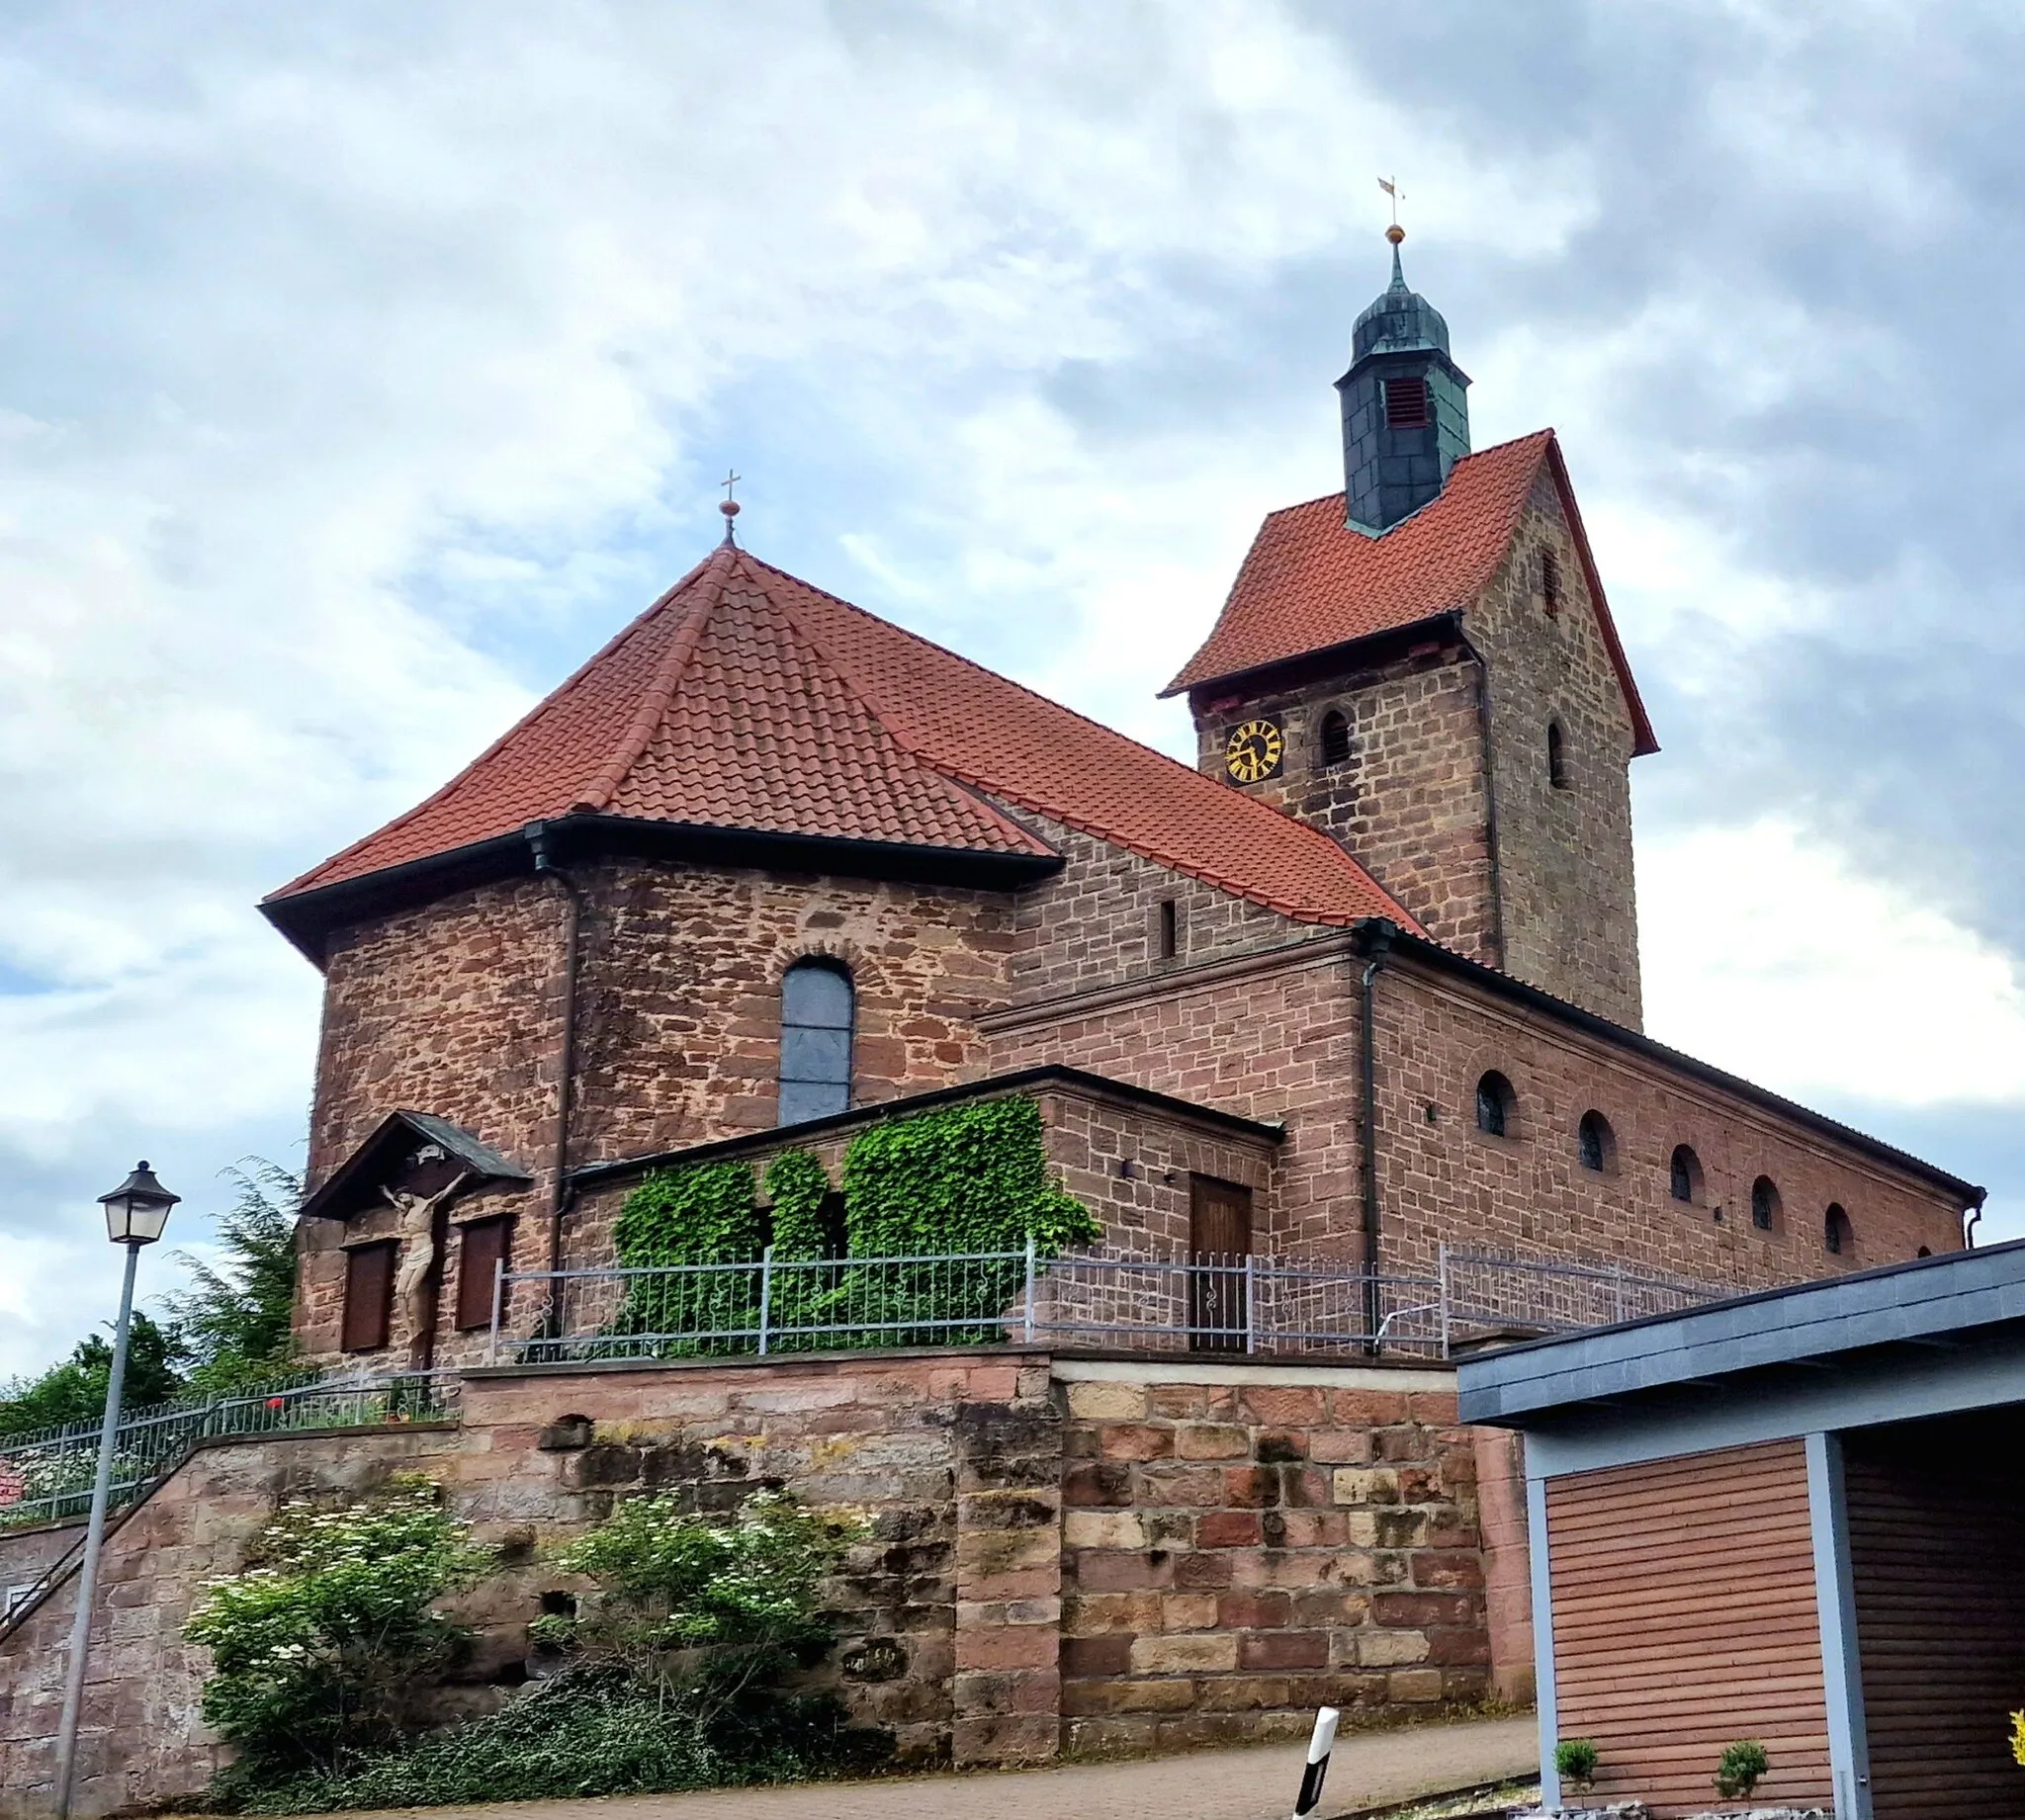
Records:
x=960, y=1179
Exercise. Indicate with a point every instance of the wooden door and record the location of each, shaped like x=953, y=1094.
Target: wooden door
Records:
x=1219, y=1240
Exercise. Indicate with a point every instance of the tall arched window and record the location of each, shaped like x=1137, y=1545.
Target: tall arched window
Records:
x=1838, y=1237
x=1687, y=1174
x=1764, y=1204
x=1595, y=1143
x=1556, y=756
x=1334, y=738
x=816, y=1014
x=1496, y=1105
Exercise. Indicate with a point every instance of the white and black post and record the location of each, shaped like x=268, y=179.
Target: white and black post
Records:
x=1319, y=1747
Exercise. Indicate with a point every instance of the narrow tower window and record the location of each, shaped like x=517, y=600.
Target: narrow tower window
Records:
x=1549, y=579
x=1764, y=1204
x=1496, y=1105
x=1334, y=738
x=817, y=1010
x=1556, y=756
x=1406, y=404
x=1169, y=936
x=1838, y=1237
x=1687, y=1174
x=1595, y=1143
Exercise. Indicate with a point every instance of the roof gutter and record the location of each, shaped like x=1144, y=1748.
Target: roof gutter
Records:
x=562, y=1192
x=1373, y=938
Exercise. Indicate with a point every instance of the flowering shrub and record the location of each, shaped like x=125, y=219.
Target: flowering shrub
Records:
x=2018, y=1739
x=708, y=1606
x=670, y=1676
x=320, y=1642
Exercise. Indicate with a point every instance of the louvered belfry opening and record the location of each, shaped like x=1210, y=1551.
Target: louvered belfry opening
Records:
x=1406, y=404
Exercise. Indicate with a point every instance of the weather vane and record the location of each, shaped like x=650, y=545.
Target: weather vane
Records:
x=1395, y=233
x=728, y=506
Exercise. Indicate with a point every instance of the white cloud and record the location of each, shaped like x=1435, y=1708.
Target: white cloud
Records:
x=374, y=355
x=1780, y=959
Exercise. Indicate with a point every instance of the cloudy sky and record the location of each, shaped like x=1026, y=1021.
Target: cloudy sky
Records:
x=363, y=366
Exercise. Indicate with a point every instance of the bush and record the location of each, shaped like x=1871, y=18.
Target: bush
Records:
x=1741, y=1768
x=670, y=1678
x=321, y=1642
x=1575, y=1759
x=2018, y=1739
x=709, y=1609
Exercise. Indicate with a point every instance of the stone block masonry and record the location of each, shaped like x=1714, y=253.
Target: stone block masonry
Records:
x=1245, y=1547
x=1082, y=1554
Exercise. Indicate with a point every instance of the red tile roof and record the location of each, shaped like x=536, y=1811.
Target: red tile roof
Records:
x=1309, y=582
x=745, y=699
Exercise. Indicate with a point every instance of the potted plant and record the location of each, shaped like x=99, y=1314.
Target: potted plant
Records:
x=1741, y=1767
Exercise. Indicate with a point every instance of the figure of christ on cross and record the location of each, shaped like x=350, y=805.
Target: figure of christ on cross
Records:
x=417, y=1228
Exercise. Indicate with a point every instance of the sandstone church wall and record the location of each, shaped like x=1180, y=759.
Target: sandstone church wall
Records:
x=1563, y=854
x=1276, y=1038
x=1098, y=922
x=455, y=1008
x=1528, y=1194
x=1273, y=1038
x=1409, y=802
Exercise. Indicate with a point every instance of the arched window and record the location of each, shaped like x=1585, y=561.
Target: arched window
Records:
x=1838, y=1237
x=816, y=1014
x=1334, y=738
x=1687, y=1175
x=1549, y=579
x=1926, y=1251
x=1764, y=1204
x=1556, y=756
x=1496, y=1105
x=1595, y=1143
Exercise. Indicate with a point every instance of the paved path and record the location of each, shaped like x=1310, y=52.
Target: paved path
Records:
x=1368, y=1769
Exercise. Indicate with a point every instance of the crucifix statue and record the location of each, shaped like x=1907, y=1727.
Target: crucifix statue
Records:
x=417, y=1228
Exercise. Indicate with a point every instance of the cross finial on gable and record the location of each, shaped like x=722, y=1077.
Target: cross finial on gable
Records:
x=729, y=506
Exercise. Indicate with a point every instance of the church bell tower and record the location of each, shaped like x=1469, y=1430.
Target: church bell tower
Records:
x=1405, y=407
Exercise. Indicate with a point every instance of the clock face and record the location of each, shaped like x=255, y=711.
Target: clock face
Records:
x=1254, y=751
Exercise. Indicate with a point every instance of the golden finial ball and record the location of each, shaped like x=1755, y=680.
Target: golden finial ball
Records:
x=1395, y=233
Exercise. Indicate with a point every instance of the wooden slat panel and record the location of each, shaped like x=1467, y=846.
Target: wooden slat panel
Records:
x=367, y=1296
x=1685, y=1619
x=1937, y=1552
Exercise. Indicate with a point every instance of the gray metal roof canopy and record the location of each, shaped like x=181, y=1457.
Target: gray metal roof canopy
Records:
x=1961, y=1301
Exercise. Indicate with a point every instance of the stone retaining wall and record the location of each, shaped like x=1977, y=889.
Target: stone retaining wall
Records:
x=1095, y=1555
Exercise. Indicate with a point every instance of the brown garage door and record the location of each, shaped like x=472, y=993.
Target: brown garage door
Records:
x=1685, y=1619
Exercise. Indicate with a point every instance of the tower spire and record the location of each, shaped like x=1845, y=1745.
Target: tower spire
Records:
x=1405, y=408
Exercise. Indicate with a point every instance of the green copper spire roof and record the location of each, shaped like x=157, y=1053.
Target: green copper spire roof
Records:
x=1399, y=321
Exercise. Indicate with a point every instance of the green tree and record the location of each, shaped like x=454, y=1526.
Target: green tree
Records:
x=76, y=1390
x=236, y=1317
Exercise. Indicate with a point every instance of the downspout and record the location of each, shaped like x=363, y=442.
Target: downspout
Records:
x=1374, y=942
x=1974, y=1212
x=560, y=1193
x=1490, y=787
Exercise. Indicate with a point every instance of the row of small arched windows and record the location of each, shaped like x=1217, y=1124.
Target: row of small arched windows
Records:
x=1497, y=1106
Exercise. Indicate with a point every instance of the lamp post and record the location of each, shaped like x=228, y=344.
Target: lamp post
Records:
x=136, y=1211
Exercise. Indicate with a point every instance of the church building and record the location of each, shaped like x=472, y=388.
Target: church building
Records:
x=1362, y=984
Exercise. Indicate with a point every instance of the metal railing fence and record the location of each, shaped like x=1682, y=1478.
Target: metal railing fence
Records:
x=1246, y=1304
x=1483, y=1294
x=1201, y=1303
x=47, y=1474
